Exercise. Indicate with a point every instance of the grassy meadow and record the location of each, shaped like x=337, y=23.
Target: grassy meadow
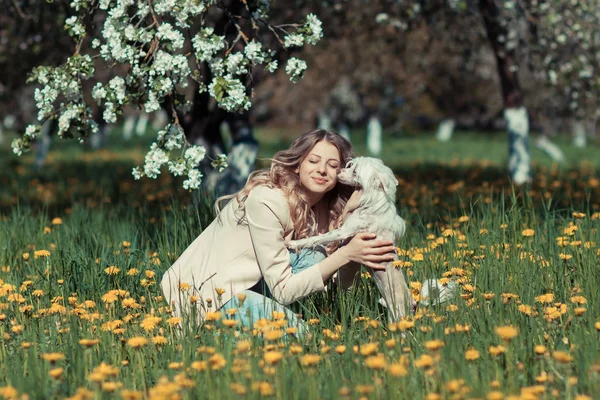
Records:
x=83, y=247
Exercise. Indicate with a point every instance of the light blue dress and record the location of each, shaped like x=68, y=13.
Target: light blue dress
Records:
x=260, y=304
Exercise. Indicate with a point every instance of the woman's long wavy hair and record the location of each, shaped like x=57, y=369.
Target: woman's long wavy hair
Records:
x=283, y=175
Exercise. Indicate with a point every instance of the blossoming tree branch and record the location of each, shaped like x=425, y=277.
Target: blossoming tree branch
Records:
x=155, y=49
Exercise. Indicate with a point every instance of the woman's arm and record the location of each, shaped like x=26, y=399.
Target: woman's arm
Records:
x=364, y=249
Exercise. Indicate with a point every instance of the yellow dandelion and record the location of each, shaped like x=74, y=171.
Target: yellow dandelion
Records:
x=404, y=325
x=273, y=335
x=471, y=355
x=174, y=321
x=89, y=342
x=112, y=270
x=243, y=346
x=41, y=253
x=397, y=369
x=137, y=342
x=273, y=357
x=308, y=360
x=56, y=372
x=562, y=357
x=183, y=286
x=375, y=362
x=425, y=361
x=545, y=298
x=217, y=361
x=264, y=388
x=213, y=316
x=220, y=291
x=434, y=345
x=368, y=348
x=159, y=340
x=57, y=221
x=506, y=333
x=230, y=323
x=295, y=349
x=133, y=271
x=341, y=349
x=528, y=232
x=53, y=357
x=199, y=365
x=496, y=350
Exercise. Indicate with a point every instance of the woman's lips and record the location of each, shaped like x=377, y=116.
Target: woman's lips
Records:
x=320, y=181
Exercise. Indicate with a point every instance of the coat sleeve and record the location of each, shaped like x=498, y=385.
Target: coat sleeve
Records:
x=268, y=214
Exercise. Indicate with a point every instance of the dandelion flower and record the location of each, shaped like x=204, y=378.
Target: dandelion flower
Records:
x=507, y=333
x=57, y=221
x=273, y=357
x=562, y=357
x=137, y=342
x=89, y=342
x=41, y=253
x=310, y=359
x=53, y=357
x=56, y=372
x=471, y=355
x=425, y=361
x=528, y=232
x=496, y=350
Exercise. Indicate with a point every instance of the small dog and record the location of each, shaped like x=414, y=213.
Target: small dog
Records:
x=376, y=214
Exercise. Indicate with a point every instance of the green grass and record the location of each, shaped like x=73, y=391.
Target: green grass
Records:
x=43, y=306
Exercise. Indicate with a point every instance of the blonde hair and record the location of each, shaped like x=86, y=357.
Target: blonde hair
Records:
x=282, y=175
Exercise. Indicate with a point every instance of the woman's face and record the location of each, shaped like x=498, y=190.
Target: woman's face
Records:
x=318, y=171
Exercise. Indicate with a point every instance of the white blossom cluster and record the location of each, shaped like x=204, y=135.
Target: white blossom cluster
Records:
x=169, y=140
x=144, y=42
x=295, y=68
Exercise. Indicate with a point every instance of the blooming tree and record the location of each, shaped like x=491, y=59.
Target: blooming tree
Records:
x=156, y=48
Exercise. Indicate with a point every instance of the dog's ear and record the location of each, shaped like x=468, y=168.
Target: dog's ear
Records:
x=388, y=181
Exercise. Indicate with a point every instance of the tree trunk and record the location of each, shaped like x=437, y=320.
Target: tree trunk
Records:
x=324, y=121
x=551, y=149
x=344, y=132
x=142, y=124
x=579, y=134
x=519, y=157
x=128, y=127
x=445, y=130
x=517, y=120
x=43, y=147
x=241, y=158
x=374, y=136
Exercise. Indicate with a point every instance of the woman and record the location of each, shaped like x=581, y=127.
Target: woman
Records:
x=241, y=261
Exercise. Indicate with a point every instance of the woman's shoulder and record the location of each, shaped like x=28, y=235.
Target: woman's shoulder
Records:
x=271, y=197
x=267, y=193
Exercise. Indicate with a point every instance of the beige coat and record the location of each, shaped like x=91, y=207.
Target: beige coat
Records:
x=233, y=255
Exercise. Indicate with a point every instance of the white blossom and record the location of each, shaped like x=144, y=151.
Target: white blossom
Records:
x=194, y=180
x=295, y=68
x=293, y=40
x=193, y=155
x=316, y=31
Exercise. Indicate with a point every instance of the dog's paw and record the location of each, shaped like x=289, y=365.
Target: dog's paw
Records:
x=293, y=244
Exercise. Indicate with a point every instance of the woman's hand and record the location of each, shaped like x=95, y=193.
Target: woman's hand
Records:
x=353, y=203
x=365, y=249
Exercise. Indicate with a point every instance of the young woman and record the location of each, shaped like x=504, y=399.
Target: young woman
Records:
x=241, y=261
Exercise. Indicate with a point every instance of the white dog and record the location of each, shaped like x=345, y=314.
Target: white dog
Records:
x=376, y=213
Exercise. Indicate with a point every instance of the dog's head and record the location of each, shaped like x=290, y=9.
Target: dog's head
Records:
x=371, y=174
